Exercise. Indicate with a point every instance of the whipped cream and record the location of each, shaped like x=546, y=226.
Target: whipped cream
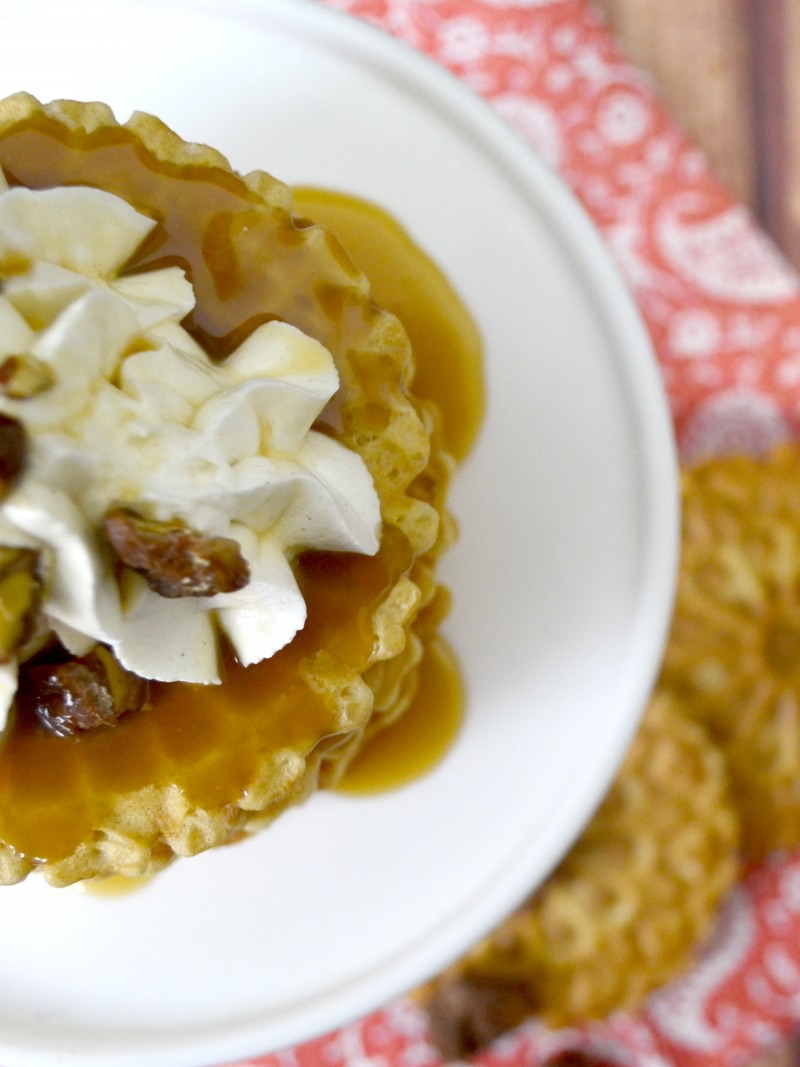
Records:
x=136, y=414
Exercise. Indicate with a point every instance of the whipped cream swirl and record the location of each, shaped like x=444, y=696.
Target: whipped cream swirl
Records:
x=137, y=415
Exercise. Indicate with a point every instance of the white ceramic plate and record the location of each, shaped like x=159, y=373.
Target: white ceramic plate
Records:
x=562, y=577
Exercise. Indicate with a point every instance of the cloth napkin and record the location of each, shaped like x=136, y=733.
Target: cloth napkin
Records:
x=723, y=310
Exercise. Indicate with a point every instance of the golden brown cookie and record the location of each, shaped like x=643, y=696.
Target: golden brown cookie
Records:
x=733, y=655
x=624, y=910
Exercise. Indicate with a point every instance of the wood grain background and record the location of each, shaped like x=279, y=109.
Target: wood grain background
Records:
x=725, y=69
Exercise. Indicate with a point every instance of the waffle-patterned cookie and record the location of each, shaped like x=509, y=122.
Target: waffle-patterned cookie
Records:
x=623, y=911
x=733, y=655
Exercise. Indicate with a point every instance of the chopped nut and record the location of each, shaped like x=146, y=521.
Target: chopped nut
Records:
x=13, y=451
x=464, y=1016
x=88, y=693
x=576, y=1058
x=24, y=376
x=173, y=559
x=19, y=593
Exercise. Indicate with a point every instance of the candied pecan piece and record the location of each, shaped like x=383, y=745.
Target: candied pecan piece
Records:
x=13, y=451
x=172, y=558
x=24, y=376
x=19, y=595
x=464, y=1016
x=86, y=693
x=576, y=1058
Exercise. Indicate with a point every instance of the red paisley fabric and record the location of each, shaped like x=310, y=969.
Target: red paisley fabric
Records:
x=723, y=309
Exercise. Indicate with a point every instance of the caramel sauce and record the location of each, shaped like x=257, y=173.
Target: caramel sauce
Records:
x=207, y=740
x=405, y=280
x=114, y=885
x=413, y=745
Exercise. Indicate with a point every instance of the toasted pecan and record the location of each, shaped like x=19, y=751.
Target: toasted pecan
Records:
x=13, y=451
x=19, y=594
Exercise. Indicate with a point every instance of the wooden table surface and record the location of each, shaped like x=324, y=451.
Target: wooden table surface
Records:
x=725, y=69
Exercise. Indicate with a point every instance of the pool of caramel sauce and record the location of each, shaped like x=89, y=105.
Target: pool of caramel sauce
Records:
x=406, y=281
x=449, y=360
x=205, y=739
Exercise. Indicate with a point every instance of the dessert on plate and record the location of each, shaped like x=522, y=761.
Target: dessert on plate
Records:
x=222, y=503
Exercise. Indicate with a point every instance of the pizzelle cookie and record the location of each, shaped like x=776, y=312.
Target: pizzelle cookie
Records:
x=625, y=909
x=733, y=655
x=724, y=728
x=208, y=422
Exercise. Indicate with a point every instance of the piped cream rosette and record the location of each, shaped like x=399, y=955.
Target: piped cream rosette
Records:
x=135, y=413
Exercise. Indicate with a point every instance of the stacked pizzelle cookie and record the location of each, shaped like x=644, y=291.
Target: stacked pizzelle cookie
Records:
x=711, y=783
x=357, y=468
